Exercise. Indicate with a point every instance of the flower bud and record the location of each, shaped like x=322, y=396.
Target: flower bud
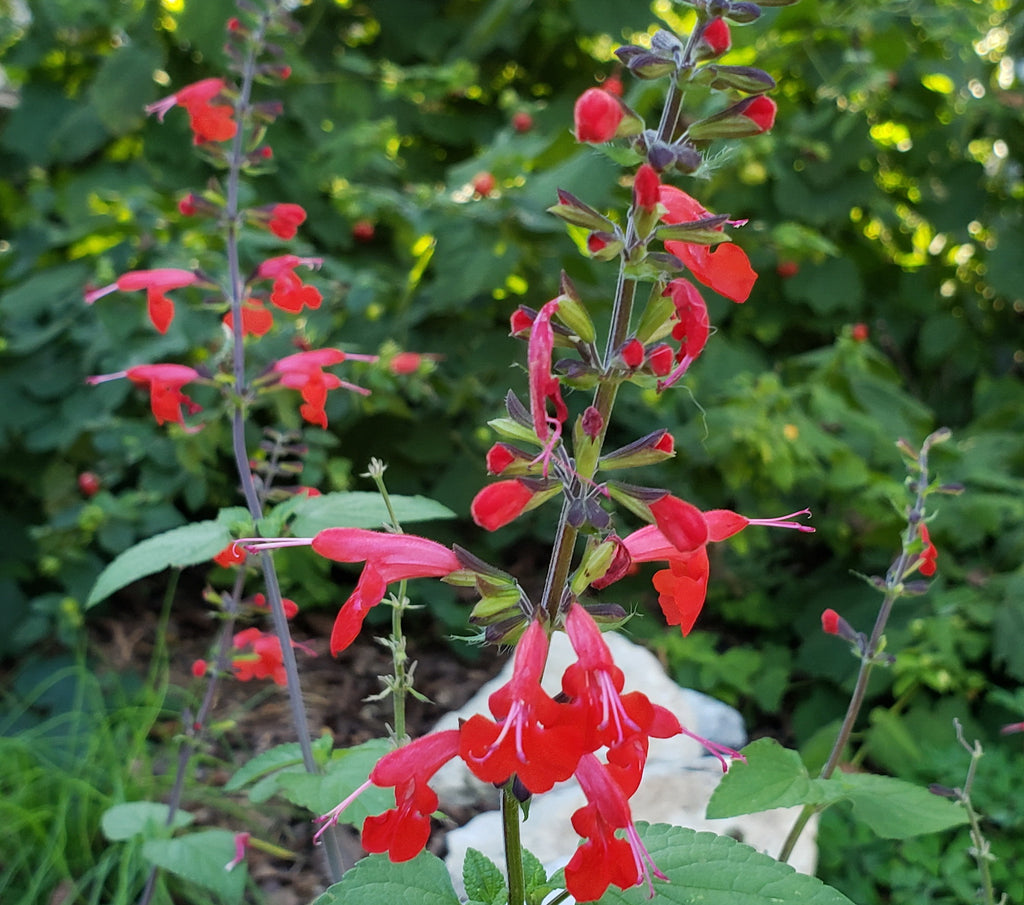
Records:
x=597, y=116
x=574, y=315
x=655, y=447
x=741, y=78
x=572, y=210
x=597, y=561
x=645, y=64
x=714, y=40
x=834, y=624
x=751, y=116
x=604, y=246
x=742, y=12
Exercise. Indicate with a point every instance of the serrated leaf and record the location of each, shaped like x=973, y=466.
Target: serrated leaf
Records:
x=894, y=808
x=705, y=869
x=179, y=547
x=772, y=777
x=346, y=772
x=140, y=818
x=362, y=509
x=482, y=878
x=201, y=858
x=377, y=881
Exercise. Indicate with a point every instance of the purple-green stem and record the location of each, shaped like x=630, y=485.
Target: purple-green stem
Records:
x=194, y=725
x=232, y=218
x=893, y=591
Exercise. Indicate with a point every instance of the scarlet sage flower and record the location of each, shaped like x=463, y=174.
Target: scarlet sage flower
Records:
x=283, y=220
x=928, y=561
x=303, y=371
x=256, y=319
x=714, y=39
x=605, y=859
x=596, y=116
x=259, y=657
x=403, y=831
x=388, y=558
x=156, y=283
x=531, y=736
x=209, y=121
x=289, y=293
x=682, y=587
x=646, y=186
x=165, y=382
x=725, y=268
x=544, y=386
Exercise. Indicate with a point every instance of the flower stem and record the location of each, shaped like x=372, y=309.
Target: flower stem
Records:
x=513, y=846
x=870, y=657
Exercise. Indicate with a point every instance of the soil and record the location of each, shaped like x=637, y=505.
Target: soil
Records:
x=336, y=694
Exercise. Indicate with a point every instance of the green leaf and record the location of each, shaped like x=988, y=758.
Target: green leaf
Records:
x=362, y=509
x=179, y=547
x=482, y=878
x=201, y=858
x=279, y=757
x=140, y=818
x=894, y=808
x=124, y=85
x=705, y=869
x=772, y=777
x=346, y=772
x=377, y=881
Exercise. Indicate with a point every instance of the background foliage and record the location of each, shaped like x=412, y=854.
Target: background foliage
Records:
x=889, y=195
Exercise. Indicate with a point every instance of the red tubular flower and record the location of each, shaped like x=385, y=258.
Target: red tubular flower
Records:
x=683, y=586
x=500, y=503
x=725, y=268
x=260, y=657
x=156, y=283
x=594, y=685
x=403, y=831
x=604, y=859
x=544, y=386
x=596, y=116
x=256, y=319
x=681, y=522
x=405, y=363
x=830, y=622
x=388, y=558
x=165, y=382
x=231, y=555
x=928, y=561
x=303, y=371
x=208, y=121
x=532, y=737
x=289, y=293
x=283, y=220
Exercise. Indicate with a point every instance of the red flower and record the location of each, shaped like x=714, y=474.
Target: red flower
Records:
x=208, y=121
x=303, y=371
x=256, y=319
x=231, y=555
x=156, y=283
x=928, y=561
x=499, y=457
x=522, y=121
x=860, y=332
x=597, y=115
x=388, y=558
x=289, y=293
x=403, y=831
x=683, y=586
x=483, y=183
x=291, y=608
x=543, y=385
x=498, y=504
x=531, y=737
x=605, y=859
x=680, y=522
x=363, y=231
x=726, y=268
x=405, y=363
x=165, y=382
x=283, y=220
x=260, y=657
